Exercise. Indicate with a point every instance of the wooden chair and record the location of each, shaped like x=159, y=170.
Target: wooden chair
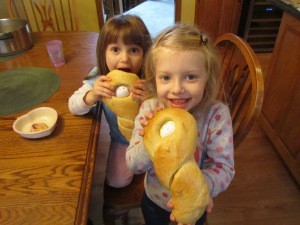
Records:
x=242, y=83
x=119, y=201
x=45, y=15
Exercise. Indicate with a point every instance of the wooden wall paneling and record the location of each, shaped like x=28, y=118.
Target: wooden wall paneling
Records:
x=281, y=109
x=205, y=19
x=230, y=16
x=218, y=16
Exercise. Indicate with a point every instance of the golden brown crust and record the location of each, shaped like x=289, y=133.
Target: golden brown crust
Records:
x=126, y=108
x=173, y=159
x=189, y=192
x=126, y=123
x=169, y=150
x=126, y=127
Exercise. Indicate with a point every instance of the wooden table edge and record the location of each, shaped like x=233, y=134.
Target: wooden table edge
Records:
x=85, y=190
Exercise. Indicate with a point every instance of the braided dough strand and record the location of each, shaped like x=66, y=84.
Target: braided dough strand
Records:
x=172, y=154
x=190, y=193
x=125, y=107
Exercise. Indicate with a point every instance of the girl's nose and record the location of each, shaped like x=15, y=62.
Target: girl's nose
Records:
x=177, y=87
x=124, y=57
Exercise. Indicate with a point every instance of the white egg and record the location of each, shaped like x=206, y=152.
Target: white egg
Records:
x=167, y=128
x=122, y=91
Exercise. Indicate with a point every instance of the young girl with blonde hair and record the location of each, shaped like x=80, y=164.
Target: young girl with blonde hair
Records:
x=183, y=66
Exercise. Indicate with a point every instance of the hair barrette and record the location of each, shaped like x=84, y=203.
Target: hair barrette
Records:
x=203, y=38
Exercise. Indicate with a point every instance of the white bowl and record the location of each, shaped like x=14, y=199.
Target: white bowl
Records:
x=45, y=115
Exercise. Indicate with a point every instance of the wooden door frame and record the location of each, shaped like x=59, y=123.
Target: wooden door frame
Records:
x=100, y=13
x=177, y=5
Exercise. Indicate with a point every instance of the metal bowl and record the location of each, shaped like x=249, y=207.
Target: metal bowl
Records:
x=15, y=36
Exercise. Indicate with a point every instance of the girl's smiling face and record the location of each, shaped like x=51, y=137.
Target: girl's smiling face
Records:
x=180, y=78
x=128, y=58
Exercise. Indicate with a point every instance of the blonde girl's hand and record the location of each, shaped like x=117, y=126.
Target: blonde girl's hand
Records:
x=140, y=90
x=100, y=89
x=172, y=217
x=145, y=120
x=208, y=208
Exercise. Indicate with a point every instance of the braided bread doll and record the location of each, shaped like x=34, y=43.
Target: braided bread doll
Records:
x=171, y=140
x=193, y=161
x=122, y=103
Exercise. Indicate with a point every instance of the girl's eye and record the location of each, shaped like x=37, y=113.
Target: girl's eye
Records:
x=115, y=49
x=165, y=77
x=191, y=77
x=134, y=50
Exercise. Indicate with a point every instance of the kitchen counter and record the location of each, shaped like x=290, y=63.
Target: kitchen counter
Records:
x=286, y=7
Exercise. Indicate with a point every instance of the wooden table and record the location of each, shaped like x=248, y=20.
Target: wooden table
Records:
x=48, y=180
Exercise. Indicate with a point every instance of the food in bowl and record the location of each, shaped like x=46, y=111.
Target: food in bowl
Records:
x=38, y=127
x=37, y=123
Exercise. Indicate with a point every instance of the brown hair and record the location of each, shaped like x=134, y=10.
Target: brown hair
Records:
x=130, y=28
x=187, y=37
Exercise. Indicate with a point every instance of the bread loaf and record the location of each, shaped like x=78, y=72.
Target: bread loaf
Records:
x=123, y=104
x=171, y=139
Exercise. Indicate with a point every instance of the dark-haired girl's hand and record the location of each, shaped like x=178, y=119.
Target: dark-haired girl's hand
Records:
x=100, y=89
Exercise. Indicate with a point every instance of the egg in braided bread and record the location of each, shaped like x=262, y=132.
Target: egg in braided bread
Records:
x=123, y=104
x=171, y=139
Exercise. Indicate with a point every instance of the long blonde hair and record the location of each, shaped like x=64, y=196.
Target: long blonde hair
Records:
x=187, y=37
x=130, y=28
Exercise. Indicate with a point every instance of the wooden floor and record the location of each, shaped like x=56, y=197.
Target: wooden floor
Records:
x=263, y=191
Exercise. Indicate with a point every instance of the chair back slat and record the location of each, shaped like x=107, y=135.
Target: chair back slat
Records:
x=34, y=15
x=238, y=91
x=70, y=10
x=240, y=106
x=56, y=18
x=242, y=84
x=45, y=15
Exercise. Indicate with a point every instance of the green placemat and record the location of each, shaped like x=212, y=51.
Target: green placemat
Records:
x=24, y=88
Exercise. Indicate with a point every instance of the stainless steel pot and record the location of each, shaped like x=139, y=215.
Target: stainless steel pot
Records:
x=15, y=36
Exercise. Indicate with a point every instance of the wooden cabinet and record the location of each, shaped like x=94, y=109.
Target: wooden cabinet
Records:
x=262, y=25
x=280, y=116
x=218, y=16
